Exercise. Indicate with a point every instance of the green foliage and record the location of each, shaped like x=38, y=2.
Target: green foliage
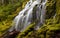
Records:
x=26, y=31
x=7, y=11
x=4, y=26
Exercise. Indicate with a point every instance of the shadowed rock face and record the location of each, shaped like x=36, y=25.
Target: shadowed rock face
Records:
x=56, y=34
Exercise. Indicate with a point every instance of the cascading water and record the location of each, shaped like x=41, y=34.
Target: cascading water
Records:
x=41, y=11
x=24, y=18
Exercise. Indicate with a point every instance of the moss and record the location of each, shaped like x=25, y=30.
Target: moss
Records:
x=51, y=8
x=26, y=31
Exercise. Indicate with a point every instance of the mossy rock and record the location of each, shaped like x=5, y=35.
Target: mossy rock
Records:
x=51, y=8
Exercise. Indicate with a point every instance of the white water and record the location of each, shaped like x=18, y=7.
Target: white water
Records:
x=24, y=18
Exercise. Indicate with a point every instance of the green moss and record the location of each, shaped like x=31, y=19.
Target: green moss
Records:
x=51, y=8
x=26, y=31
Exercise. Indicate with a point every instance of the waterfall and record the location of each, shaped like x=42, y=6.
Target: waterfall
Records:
x=24, y=18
